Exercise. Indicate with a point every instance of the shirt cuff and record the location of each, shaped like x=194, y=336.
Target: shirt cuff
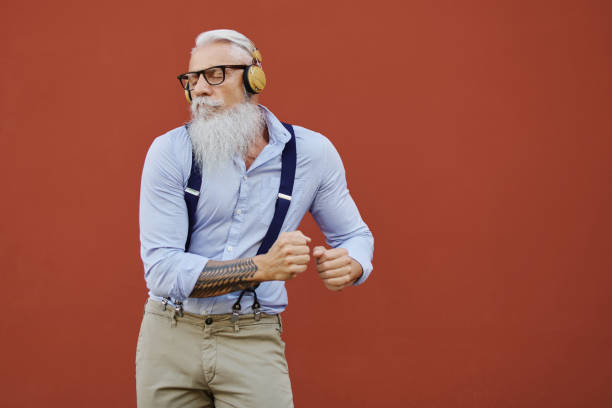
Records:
x=363, y=259
x=193, y=265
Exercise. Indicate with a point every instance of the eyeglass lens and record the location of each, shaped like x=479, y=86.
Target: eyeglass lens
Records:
x=214, y=76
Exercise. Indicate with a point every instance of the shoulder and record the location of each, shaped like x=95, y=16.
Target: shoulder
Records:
x=172, y=142
x=317, y=157
x=312, y=144
x=172, y=150
x=309, y=143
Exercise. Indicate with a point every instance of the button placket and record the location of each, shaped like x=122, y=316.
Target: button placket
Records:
x=236, y=224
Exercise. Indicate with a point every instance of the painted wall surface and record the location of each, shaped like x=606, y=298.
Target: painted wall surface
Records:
x=476, y=136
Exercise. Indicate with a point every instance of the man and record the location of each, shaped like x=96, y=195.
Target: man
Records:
x=210, y=335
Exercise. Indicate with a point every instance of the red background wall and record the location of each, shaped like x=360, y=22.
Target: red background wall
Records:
x=477, y=141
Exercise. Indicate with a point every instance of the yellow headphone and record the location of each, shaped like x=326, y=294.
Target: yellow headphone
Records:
x=254, y=78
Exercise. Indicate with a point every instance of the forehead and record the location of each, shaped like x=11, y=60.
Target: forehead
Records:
x=217, y=53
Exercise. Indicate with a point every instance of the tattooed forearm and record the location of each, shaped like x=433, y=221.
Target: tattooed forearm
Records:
x=221, y=277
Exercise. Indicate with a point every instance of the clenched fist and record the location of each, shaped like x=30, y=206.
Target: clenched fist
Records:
x=288, y=257
x=337, y=269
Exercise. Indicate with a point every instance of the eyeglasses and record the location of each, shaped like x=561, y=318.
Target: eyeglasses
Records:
x=213, y=75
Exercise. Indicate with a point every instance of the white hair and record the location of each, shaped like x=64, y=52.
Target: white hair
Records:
x=238, y=40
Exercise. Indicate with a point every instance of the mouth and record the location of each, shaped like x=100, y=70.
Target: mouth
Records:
x=208, y=108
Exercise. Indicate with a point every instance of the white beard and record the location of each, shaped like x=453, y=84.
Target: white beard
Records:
x=217, y=137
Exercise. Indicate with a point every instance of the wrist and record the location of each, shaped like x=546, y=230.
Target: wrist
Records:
x=356, y=271
x=261, y=274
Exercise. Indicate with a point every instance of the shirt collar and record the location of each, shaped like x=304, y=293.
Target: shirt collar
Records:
x=276, y=131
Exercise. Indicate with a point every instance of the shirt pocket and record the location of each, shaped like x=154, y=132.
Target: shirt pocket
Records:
x=267, y=194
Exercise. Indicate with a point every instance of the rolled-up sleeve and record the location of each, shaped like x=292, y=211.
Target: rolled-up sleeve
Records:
x=169, y=270
x=337, y=215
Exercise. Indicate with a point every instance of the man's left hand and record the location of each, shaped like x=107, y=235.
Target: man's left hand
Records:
x=337, y=269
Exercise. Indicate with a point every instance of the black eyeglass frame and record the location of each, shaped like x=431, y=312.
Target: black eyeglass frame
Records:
x=182, y=77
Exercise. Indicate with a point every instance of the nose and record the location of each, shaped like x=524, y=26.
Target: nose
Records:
x=202, y=87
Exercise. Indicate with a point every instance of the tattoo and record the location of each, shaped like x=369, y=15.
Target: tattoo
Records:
x=221, y=277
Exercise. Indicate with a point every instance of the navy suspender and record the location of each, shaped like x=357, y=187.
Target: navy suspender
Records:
x=192, y=194
x=288, y=165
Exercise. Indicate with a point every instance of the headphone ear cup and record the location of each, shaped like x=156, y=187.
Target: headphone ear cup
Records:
x=254, y=79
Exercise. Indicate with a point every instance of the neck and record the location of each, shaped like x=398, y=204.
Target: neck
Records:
x=256, y=147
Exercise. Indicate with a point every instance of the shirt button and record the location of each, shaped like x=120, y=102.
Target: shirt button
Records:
x=229, y=248
x=244, y=178
x=238, y=212
x=208, y=320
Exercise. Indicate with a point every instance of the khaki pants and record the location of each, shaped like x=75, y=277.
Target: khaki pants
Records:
x=190, y=361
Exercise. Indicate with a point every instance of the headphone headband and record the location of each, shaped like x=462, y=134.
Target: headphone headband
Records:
x=257, y=56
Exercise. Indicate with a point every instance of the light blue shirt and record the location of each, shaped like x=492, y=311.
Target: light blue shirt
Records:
x=234, y=211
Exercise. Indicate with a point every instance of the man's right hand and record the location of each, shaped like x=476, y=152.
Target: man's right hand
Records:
x=288, y=257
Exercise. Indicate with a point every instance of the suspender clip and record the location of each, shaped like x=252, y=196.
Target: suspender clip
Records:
x=236, y=311
x=179, y=308
x=256, y=310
